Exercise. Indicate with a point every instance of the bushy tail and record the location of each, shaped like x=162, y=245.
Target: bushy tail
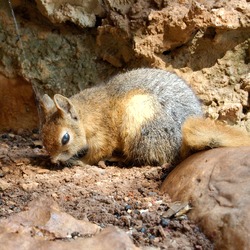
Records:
x=200, y=134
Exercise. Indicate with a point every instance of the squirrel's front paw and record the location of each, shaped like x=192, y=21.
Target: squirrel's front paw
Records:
x=75, y=163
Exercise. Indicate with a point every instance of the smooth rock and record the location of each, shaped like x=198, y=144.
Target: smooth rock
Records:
x=4, y=185
x=217, y=184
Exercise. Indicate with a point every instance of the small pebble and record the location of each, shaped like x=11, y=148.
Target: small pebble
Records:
x=158, y=202
x=156, y=240
x=11, y=135
x=151, y=237
x=102, y=225
x=128, y=207
x=126, y=199
x=54, y=195
x=137, y=211
x=38, y=144
x=74, y=235
x=143, y=211
x=29, y=186
x=35, y=131
x=164, y=222
x=152, y=193
x=117, y=215
x=5, y=170
x=5, y=136
x=4, y=185
x=42, y=171
x=150, y=204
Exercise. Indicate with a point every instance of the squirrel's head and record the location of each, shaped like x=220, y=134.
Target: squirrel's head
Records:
x=63, y=135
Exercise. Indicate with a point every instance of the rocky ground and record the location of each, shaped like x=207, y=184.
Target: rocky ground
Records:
x=63, y=47
x=128, y=198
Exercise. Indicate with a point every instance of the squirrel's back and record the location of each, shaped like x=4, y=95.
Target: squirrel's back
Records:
x=172, y=92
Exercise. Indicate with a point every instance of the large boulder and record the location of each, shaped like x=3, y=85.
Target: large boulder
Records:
x=216, y=183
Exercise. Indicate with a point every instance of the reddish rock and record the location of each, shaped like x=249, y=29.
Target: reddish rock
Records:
x=17, y=102
x=44, y=226
x=216, y=183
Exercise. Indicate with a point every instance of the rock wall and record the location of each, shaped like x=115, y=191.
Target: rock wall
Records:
x=17, y=102
x=65, y=46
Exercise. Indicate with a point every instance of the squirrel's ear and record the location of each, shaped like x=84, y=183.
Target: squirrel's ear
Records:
x=46, y=104
x=65, y=107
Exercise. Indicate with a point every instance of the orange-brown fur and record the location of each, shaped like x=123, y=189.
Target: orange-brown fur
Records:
x=200, y=134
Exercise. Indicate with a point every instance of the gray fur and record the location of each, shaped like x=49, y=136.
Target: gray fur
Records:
x=160, y=139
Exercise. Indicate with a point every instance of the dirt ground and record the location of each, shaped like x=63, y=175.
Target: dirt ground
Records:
x=128, y=198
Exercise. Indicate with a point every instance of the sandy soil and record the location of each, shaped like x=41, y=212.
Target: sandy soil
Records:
x=128, y=198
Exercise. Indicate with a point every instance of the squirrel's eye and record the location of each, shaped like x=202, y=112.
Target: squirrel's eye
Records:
x=65, y=139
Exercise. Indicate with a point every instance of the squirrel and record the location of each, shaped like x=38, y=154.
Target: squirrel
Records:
x=141, y=117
